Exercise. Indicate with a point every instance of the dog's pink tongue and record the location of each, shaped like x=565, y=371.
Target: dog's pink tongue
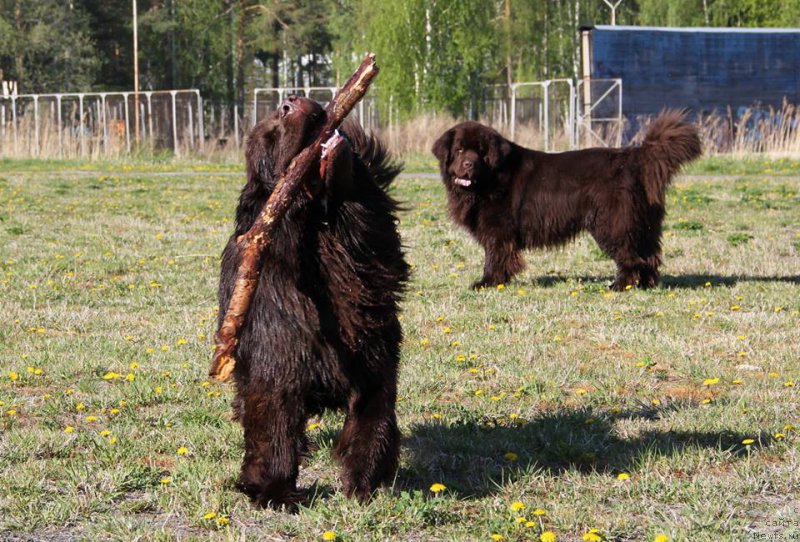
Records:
x=462, y=182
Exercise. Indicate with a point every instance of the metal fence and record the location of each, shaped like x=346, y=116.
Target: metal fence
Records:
x=68, y=125
x=105, y=124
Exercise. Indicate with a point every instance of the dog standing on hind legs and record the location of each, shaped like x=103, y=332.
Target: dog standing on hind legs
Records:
x=510, y=198
x=322, y=330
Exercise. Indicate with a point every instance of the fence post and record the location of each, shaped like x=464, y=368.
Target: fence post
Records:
x=201, y=132
x=546, y=88
x=255, y=107
x=125, y=96
x=236, y=124
x=105, y=122
x=513, y=109
x=191, y=125
x=586, y=53
x=150, y=117
x=14, y=121
x=174, y=124
x=36, y=125
x=58, y=126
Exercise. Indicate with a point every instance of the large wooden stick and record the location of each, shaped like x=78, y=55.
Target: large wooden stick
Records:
x=254, y=243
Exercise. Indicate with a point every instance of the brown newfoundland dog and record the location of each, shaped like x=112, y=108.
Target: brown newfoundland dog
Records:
x=322, y=330
x=512, y=198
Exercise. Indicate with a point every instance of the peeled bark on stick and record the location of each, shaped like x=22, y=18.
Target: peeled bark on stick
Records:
x=254, y=243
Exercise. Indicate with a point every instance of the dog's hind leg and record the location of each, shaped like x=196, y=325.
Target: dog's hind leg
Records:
x=273, y=437
x=368, y=446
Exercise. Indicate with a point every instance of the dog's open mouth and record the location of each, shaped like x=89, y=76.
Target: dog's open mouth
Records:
x=460, y=181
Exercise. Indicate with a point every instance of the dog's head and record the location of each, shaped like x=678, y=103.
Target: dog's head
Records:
x=470, y=154
x=276, y=140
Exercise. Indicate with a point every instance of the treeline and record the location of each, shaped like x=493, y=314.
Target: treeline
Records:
x=434, y=54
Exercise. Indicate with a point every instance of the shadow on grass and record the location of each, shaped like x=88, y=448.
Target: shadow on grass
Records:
x=470, y=458
x=667, y=281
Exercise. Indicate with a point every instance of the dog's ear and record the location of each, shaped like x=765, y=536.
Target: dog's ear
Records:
x=441, y=149
x=499, y=148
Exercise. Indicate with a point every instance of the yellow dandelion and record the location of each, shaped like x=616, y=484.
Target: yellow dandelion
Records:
x=437, y=488
x=548, y=536
x=424, y=342
x=737, y=382
x=516, y=506
x=105, y=432
x=112, y=440
x=111, y=376
x=134, y=365
x=780, y=436
x=710, y=381
x=510, y=456
x=11, y=412
x=183, y=450
x=329, y=535
x=447, y=330
x=540, y=512
x=313, y=426
x=223, y=521
x=165, y=481
x=497, y=537
x=593, y=535
x=130, y=377
x=13, y=376
x=501, y=286
x=581, y=391
x=521, y=520
x=91, y=418
x=209, y=515
x=773, y=374
x=789, y=427
x=661, y=538
x=748, y=441
x=622, y=476
x=789, y=384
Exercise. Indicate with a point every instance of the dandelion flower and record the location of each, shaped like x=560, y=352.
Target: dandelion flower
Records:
x=329, y=535
x=497, y=537
x=69, y=429
x=548, y=536
x=780, y=436
x=183, y=450
x=789, y=384
x=540, y=512
x=593, y=535
x=165, y=481
x=622, y=476
x=661, y=538
x=710, y=381
x=748, y=441
x=223, y=521
x=209, y=515
x=437, y=487
x=516, y=506
x=105, y=432
x=510, y=456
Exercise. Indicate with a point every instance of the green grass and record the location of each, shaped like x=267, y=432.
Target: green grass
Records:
x=542, y=392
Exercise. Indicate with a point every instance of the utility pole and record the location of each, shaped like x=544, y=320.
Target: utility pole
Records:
x=135, y=75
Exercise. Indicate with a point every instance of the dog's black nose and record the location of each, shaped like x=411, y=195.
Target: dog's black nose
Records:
x=288, y=105
x=467, y=164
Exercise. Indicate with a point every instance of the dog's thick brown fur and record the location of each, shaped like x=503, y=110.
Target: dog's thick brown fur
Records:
x=322, y=330
x=511, y=198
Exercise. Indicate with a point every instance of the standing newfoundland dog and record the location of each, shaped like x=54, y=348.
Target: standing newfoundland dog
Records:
x=512, y=198
x=322, y=330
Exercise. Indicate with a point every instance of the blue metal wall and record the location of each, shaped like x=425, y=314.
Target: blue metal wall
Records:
x=704, y=69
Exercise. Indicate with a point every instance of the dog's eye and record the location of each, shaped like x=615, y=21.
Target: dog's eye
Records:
x=459, y=151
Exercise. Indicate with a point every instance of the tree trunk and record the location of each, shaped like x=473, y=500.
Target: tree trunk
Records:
x=254, y=243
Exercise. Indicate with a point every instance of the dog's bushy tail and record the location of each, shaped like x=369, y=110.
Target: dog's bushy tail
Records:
x=373, y=152
x=670, y=143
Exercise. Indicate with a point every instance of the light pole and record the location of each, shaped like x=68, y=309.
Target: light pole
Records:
x=613, y=5
x=135, y=75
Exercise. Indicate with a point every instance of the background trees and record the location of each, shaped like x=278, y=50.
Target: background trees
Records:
x=435, y=54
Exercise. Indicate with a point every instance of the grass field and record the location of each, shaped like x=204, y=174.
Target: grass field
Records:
x=549, y=405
